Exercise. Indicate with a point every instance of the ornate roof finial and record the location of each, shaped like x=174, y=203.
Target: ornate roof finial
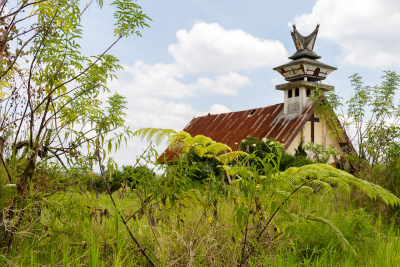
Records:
x=304, y=45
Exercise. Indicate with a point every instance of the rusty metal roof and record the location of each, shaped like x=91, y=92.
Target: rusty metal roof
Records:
x=230, y=128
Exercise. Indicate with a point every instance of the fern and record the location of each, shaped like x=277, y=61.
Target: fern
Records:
x=183, y=142
x=178, y=137
x=232, y=156
x=159, y=134
x=326, y=175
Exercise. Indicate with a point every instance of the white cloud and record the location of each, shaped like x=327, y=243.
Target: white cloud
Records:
x=276, y=80
x=155, y=93
x=211, y=47
x=217, y=108
x=151, y=111
x=366, y=30
x=166, y=80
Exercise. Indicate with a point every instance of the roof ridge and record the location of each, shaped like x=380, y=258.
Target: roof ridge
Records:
x=237, y=111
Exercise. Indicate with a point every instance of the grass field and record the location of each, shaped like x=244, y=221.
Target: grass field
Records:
x=70, y=233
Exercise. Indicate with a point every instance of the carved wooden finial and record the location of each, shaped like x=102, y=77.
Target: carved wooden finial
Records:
x=304, y=45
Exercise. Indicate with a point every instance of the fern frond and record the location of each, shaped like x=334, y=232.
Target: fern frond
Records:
x=218, y=148
x=158, y=133
x=289, y=172
x=343, y=241
x=326, y=174
x=294, y=180
x=306, y=189
x=282, y=193
x=177, y=137
x=203, y=140
x=231, y=156
x=201, y=150
x=337, y=181
x=322, y=183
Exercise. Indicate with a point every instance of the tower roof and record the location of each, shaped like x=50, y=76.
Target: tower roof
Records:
x=304, y=64
x=304, y=45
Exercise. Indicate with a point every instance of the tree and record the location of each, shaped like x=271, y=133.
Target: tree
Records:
x=372, y=114
x=49, y=90
x=53, y=103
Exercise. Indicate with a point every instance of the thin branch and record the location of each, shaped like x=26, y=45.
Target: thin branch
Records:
x=59, y=189
x=273, y=215
x=22, y=7
x=2, y=160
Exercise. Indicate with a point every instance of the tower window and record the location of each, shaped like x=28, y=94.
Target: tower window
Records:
x=308, y=92
x=316, y=71
x=296, y=92
x=290, y=93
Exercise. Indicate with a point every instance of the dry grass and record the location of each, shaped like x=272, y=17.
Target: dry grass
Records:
x=66, y=236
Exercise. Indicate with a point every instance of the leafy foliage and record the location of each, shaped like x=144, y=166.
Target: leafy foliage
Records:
x=300, y=151
x=371, y=115
x=260, y=191
x=202, y=146
x=320, y=154
x=50, y=107
x=326, y=175
x=288, y=161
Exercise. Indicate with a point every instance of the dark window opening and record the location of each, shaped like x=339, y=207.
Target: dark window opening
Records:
x=252, y=112
x=308, y=92
x=296, y=92
x=290, y=93
x=316, y=72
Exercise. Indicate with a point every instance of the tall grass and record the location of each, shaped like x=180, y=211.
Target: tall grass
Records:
x=69, y=233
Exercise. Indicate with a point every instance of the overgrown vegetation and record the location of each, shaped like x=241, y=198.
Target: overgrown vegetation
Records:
x=261, y=213
x=208, y=206
x=371, y=119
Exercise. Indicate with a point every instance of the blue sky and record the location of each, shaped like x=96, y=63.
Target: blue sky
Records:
x=203, y=56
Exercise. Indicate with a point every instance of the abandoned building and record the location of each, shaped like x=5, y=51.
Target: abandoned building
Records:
x=286, y=122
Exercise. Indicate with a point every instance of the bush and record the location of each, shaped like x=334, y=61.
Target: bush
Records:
x=132, y=175
x=288, y=161
x=264, y=146
x=202, y=167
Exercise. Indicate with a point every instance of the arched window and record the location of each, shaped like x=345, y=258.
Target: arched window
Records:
x=290, y=93
x=308, y=91
x=296, y=92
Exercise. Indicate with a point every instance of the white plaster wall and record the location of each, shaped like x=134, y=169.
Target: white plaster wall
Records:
x=291, y=149
x=295, y=104
x=320, y=130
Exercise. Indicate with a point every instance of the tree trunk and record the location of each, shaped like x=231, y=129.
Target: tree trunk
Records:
x=27, y=174
x=1, y=145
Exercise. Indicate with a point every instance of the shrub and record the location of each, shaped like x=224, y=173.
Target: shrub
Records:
x=288, y=161
x=300, y=151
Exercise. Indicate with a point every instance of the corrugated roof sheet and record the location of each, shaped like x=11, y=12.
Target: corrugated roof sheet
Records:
x=232, y=127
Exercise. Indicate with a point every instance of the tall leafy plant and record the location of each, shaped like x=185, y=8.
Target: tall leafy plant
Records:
x=262, y=196
x=49, y=97
x=371, y=117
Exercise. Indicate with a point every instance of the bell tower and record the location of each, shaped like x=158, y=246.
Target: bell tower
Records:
x=303, y=74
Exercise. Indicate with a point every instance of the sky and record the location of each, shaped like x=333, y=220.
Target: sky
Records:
x=201, y=56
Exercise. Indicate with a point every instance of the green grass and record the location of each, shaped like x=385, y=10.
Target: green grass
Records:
x=67, y=235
